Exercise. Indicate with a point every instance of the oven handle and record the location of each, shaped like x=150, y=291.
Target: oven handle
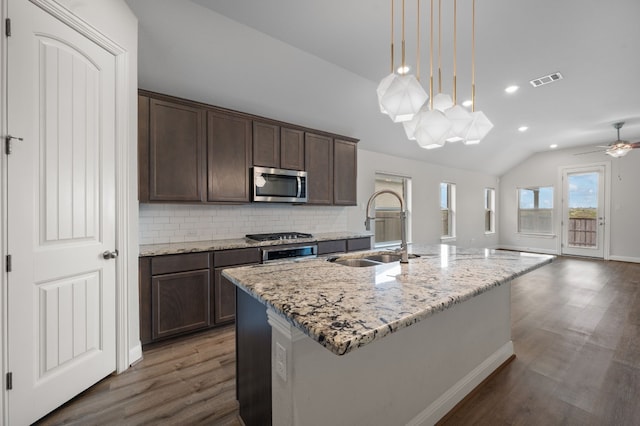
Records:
x=299, y=179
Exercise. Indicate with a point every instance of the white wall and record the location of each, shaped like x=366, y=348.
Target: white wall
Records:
x=425, y=202
x=542, y=169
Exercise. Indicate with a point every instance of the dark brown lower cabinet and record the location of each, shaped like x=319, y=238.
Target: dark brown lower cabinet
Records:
x=224, y=299
x=253, y=360
x=179, y=302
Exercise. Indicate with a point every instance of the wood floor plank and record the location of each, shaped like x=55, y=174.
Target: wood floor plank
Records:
x=576, y=333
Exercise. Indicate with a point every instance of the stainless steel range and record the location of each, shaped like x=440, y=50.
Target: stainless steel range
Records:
x=293, y=251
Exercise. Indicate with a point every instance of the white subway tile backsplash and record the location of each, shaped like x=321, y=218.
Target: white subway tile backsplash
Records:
x=166, y=223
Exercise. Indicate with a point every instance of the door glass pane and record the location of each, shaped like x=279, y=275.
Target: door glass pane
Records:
x=583, y=209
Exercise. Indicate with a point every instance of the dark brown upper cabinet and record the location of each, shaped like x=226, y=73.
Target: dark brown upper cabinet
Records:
x=277, y=147
x=291, y=149
x=266, y=145
x=171, y=151
x=345, y=172
x=318, y=151
x=228, y=157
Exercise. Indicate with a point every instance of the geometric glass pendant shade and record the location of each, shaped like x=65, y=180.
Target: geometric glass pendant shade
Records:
x=479, y=128
x=461, y=121
x=403, y=98
x=382, y=89
x=432, y=129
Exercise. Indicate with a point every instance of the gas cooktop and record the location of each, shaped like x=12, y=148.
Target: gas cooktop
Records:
x=278, y=236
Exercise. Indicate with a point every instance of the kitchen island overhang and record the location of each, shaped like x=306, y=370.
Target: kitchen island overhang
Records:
x=414, y=339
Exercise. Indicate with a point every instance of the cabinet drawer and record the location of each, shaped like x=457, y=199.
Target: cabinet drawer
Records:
x=179, y=263
x=359, y=244
x=336, y=246
x=236, y=257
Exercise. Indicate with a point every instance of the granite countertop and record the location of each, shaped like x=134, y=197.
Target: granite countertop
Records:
x=344, y=308
x=235, y=243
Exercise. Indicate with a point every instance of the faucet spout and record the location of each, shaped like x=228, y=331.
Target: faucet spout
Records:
x=403, y=220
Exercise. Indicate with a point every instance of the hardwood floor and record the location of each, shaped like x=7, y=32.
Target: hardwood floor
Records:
x=575, y=327
x=186, y=382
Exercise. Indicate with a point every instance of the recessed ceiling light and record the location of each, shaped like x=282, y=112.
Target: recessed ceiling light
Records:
x=467, y=103
x=555, y=145
x=523, y=128
x=511, y=89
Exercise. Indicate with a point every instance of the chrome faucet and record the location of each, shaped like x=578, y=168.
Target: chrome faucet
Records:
x=403, y=221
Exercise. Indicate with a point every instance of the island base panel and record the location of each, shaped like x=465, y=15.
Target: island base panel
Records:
x=414, y=376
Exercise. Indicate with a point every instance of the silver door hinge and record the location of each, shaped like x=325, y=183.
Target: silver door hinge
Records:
x=7, y=143
x=7, y=27
x=9, y=381
x=8, y=263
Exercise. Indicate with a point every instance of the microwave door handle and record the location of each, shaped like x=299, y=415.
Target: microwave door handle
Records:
x=299, y=179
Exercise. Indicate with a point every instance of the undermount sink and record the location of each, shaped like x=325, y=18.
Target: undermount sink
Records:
x=359, y=263
x=371, y=260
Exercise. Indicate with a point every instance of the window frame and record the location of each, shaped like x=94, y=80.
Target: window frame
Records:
x=490, y=209
x=451, y=209
x=406, y=195
x=536, y=201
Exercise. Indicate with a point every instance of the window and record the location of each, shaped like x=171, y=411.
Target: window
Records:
x=535, y=210
x=387, y=209
x=448, y=209
x=489, y=210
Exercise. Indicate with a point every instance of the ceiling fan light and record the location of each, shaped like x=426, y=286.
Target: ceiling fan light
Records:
x=442, y=102
x=404, y=98
x=432, y=129
x=479, y=128
x=382, y=89
x=619, y=150
x=461, y=121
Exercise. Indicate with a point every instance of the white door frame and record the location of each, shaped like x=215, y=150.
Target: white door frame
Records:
x=123, y=182
x=607, y=203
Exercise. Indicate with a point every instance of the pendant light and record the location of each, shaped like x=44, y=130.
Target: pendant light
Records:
x=480, y=124
x=386, y=82
x=404, y=95
x=460, y=119
x=431, y=127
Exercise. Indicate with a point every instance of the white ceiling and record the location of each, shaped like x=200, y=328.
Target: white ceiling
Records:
x=595, y=44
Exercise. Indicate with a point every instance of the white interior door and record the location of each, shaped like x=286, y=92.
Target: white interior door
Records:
x=61, y=213
x=583, y=211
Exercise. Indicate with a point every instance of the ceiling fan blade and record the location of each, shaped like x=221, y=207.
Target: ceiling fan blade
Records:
x=635, y=145
x=588, y=152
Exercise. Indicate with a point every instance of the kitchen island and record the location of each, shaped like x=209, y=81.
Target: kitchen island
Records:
x=385, y=344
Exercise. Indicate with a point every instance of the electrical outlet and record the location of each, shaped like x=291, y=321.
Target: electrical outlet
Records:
x=281, y=361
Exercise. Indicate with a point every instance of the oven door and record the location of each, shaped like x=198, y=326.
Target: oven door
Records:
x=279, y=186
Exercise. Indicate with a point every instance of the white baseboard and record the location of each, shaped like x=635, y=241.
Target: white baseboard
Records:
x=135, y=353
x=528, y=249
x=625, y=259
x=441, y=406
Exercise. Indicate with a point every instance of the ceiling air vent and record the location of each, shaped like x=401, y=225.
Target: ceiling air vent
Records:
x=537, y=82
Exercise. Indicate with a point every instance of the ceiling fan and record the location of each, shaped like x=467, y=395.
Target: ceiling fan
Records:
x=619, y=148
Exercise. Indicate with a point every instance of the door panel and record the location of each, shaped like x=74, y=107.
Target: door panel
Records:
x=61, y=213
x=583, y=212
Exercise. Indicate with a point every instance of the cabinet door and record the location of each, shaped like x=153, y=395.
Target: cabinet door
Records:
x=229, y=157
x=318, y=151
x=344, y=173
x=266, y=145
x=334, y=246
x=176, y=156
x=180, y=302
x=291, y=149
x=224, y=298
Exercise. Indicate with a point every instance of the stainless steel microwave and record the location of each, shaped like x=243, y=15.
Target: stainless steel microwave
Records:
x=279, y=185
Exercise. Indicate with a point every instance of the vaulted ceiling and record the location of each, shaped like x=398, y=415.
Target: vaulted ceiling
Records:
x=594, y=45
